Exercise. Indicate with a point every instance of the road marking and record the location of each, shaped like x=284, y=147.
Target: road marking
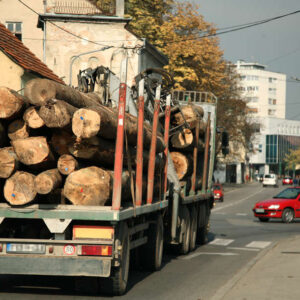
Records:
x=220, y=213
x=241, y=214
x=237, y=202
x=244, y=249
x=221, y=242
x=258, y=244
x=209, y=253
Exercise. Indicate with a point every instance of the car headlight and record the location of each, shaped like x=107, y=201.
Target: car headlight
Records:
x=218, y=194
x=274, y=206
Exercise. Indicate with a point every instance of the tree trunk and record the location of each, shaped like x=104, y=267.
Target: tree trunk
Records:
x=8, y=162
x=102, y=152
x=182, y=139
x=19, y=189
x=11, y=103
x=33, y=150
x=47, y=181
x=189, y=114
x=57, y=113
x=40, y=91
x=18, y=130
x=67, y=164
x=182, y=163
x=88, y=186
x=102, y=120
x=60, y=141
x=32, y=118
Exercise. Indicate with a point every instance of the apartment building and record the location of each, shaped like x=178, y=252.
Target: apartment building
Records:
x=264, y=91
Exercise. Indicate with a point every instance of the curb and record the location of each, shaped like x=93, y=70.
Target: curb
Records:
x=221, y=292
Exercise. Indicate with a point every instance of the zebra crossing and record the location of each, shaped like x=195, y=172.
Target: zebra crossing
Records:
x=253, y=245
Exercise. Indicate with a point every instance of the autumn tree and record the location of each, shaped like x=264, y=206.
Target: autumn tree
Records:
x=292, y=159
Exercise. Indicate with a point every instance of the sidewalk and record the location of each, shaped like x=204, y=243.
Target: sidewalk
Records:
x=273, y=274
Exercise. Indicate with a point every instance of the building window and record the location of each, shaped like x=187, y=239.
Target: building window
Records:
x=252, y=88
x=256, y=127
x=252, y=77
x=272, y=80
x=272, y=101
x=251, y=110
x=15, y=28
x=252, y=99
x=271, y=112
x=272, y=91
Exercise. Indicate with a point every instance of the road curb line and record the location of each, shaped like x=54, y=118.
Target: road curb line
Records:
x=221, y=292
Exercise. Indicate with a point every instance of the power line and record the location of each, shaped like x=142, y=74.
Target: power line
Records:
x=239, y=27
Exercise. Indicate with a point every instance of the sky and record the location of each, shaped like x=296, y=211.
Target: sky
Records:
x=275, y=44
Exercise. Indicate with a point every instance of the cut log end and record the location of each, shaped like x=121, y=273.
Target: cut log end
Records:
x=182, y=139
x=8, y=162
x=32, y=118
x=18, y=130
x=67, y=164
x=47, y=181
x=19, y=188
x=86, y=123
x=10, y=103
x=88, y=186
x=181, y=164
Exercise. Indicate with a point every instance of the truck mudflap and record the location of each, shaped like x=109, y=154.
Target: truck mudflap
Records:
x=64, y=266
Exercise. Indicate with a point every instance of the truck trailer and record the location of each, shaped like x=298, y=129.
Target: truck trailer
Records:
x=62, y=239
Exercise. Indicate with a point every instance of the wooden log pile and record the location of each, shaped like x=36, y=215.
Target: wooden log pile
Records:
x=183, y=141
x=55, y=140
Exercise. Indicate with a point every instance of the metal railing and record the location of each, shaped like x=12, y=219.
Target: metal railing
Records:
x=194, y=97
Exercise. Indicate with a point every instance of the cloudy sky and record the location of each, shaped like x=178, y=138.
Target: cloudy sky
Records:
x=275, y=44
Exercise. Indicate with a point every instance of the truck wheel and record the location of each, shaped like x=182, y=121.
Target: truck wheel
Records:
x=119, y=275
x=185, y=227
x=194, y=225
x=152, y=252
x=203, y=225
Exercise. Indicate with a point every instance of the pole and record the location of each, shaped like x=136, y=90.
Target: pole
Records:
x=140, y=140
x=151, y=164
x=118, y=167
x=166, y=140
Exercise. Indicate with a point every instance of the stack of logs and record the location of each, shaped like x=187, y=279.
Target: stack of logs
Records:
x=57, y=143
x=183, y=141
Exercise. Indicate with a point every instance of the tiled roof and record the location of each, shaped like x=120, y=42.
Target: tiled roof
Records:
x=16, y=50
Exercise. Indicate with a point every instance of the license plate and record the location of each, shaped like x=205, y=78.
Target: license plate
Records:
x=26, y=248
x=259, y=210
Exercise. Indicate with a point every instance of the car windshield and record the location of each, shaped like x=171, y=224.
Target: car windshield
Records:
x=217, y=188
x=290, y=193
x=269, y=176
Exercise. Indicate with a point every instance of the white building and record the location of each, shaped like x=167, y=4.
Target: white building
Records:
x=264, y=91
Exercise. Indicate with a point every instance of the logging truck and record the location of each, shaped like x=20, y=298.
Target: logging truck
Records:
x=86, y=185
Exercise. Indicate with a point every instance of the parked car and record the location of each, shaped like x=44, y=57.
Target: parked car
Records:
x=270, y=179
x=285, y=205
x=287, y=180
x=218, y=192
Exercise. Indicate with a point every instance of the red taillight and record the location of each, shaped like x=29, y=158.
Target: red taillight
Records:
x=96, y=250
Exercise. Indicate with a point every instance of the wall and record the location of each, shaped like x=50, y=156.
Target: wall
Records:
x=14, y=11
x=11, y=73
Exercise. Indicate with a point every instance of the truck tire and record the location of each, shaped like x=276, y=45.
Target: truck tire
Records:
x=152, y=252
x=119, y=276
x=184, y=247
x=203, y=224
x=193, y=230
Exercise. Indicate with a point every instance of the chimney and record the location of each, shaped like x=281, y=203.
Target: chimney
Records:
x=120, y=8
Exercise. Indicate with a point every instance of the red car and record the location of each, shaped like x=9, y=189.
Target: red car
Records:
x=218, y=192
x=285, y=205
x=287, y=180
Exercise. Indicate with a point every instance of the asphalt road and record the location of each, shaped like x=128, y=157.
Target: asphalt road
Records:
x=235, y=239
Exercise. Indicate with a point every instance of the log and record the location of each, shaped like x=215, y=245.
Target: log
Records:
x=11, y=103
x=102, y=152
x=32, y=150
x=40, y=91
x=8, y=162
x=67, y=164
x=47, y=181
x=60, y=141
x=182, y=139
x=103, y=121
x=182, y=163
x=3, y=136
x=57, y=113
x=88, y=186
x=32, y=118
x=18, y=130
x=189, y=114
x=19, y=188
